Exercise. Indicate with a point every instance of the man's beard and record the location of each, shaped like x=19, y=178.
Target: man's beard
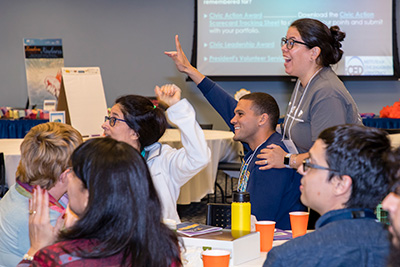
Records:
x=394, y=256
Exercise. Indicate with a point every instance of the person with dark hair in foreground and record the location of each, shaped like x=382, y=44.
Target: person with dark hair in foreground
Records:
x=119, y=214
x=344, y=179
x=391, y=203
x=135, y=120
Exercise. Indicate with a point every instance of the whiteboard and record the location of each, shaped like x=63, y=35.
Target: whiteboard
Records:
x=85, y=99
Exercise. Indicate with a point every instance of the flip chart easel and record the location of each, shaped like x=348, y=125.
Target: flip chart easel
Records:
x=83, y=100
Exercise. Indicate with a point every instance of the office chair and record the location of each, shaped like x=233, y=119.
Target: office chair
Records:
x=206, y=126
x=391, y=131
x=3, y=186
x=230, y=170
x=219, y=215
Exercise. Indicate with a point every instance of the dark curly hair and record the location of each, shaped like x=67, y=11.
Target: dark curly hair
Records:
x=315, y=33
x=361, y=153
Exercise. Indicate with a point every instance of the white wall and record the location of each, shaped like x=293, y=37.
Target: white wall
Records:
x=126, y=39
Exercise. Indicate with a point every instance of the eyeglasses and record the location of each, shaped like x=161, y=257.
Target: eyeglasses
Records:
x=112, y=120
x=308, y=165
x=290, y=43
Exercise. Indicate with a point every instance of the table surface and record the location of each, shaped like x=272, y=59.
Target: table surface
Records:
x=196, y=261
x=10, y=146
x=195, y=258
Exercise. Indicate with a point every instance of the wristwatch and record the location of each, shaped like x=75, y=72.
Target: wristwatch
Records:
x=286, y=160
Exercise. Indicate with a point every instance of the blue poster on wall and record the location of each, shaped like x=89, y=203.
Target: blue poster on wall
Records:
x=43, y=63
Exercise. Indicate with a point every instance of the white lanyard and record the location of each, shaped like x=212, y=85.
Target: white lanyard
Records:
x=298, y=106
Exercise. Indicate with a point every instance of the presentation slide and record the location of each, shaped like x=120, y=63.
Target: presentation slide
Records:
x=243, y=37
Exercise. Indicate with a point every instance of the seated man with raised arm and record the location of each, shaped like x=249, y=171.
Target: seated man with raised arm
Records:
x=344, y=179
x=253, y=120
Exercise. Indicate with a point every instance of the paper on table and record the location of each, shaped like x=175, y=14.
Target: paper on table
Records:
x=282, y=234
x=193, y=229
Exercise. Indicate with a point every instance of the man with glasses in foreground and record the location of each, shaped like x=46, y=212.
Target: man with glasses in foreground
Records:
x=344, y=179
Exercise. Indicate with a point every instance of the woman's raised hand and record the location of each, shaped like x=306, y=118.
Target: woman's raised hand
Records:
x=41, y=232
x=170, y=94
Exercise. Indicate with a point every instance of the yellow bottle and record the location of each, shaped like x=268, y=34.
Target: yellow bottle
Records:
x=240, y=214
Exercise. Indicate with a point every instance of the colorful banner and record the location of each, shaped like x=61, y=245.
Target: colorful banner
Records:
x=43, y=63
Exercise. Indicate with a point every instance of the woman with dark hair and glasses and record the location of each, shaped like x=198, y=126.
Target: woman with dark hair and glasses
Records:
x=135, y=120
x=119, y=214
x=320, y=99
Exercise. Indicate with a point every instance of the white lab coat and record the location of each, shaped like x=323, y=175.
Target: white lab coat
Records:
x=171, y=168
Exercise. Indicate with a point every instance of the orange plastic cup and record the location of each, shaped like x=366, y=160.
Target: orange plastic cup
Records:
x=215, y=257
x=298, y=221
x=266, y=229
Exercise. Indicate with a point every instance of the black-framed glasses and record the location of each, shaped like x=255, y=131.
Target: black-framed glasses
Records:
x=290, y=42
x=112, y=120
x=307, y=165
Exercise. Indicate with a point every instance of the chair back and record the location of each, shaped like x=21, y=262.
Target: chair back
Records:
x=391, y=131
x=219, y=215
x=206, y=126
x=229, y=166
x=3, y=186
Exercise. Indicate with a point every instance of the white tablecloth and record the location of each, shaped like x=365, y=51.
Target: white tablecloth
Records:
x=12, y=154
x=395, y=139
x=223, y=148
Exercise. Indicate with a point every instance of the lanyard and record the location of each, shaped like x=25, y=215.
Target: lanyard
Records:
x=348, y=215
x=244, y=174
x=298, y=106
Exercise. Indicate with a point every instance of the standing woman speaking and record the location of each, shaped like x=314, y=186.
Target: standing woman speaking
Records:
x=320, y=99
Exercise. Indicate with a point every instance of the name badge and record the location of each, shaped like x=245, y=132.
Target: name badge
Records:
x=290, y=146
